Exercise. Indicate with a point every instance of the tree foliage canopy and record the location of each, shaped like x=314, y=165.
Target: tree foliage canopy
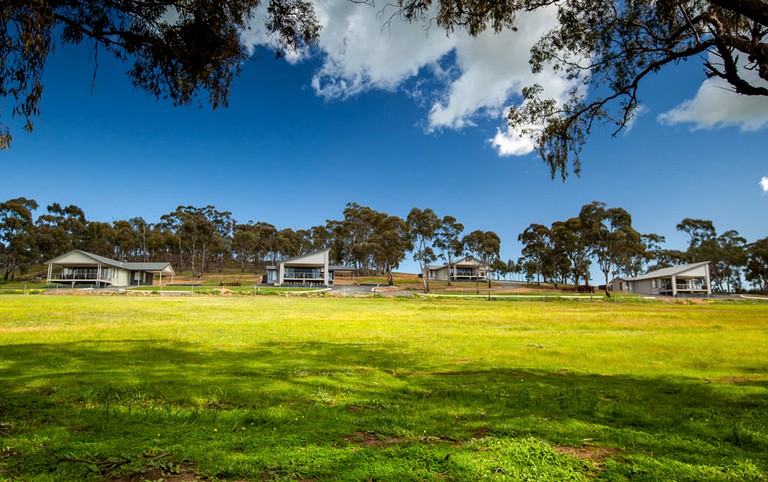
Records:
x=176, y=48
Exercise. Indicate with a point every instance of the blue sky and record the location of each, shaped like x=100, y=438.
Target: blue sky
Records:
x=390, y=129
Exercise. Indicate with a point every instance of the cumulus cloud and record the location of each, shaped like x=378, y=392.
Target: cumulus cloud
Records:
x=364, y=51
x=764, y=184
x=493, y=68
x=716, y=105
x=364, y=48
x=511, y=143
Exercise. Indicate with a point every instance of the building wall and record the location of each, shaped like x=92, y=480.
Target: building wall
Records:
x=440, y=274
x=319, y=260
x=644, y=287
x=120, y=277
x=641, y=287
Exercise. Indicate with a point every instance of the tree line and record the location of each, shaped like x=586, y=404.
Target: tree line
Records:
x=205, y=239
x=565, y=250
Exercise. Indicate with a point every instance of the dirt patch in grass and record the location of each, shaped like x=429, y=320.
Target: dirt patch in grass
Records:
x=157, y=474
x=370, y=439
x=481, y=432
x=597, y=455
x=388, y=289
x=684, y=301
x=734, y=380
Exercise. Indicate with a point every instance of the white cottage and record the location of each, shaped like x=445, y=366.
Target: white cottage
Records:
x=688, y=279
x=309, y=269
x=81, y=267
x=468, y=268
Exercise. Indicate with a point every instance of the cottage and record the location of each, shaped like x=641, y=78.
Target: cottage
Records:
x=309, y=269
x=81, y=267
x=688, y=279
x=466, y=269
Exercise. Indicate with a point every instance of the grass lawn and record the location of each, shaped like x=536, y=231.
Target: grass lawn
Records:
x=274, y=388
x=240, y=290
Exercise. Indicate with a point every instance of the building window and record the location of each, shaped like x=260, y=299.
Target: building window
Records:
x=654, y=283
x=303, y=273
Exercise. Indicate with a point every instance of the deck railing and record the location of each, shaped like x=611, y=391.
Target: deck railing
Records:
x=292, y=275
x=690, y=286
x=81, y=277
x=74, y=276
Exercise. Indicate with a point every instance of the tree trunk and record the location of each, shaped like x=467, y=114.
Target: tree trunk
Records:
x=425, y=279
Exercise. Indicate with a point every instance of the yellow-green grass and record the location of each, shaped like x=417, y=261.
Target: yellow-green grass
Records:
x=272, y=388
x=239, y=290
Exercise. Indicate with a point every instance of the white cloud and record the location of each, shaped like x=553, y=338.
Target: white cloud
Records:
x=511, y=143
x=493, y=68
x=470, y=78
x=764, y=184
x=716, y=105
x=363, y=51
x=639, y=111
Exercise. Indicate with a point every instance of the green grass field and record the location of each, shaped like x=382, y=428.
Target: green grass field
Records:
x=275, y=388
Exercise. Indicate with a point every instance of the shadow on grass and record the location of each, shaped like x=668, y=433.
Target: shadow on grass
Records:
x=294, y=411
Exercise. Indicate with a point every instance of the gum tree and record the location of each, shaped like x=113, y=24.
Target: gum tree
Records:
x=176, y=49
x=757, y=264
x=448, y=241
x=609, y=49
x=485, y=246
x=18, y=245
x=422, y=229
x=613, y=239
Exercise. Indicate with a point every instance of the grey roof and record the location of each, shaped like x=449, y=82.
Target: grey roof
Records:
x=304, y=255
x=95, y=257
x=665, y=272
x=130, y=266
x=156, y=266
x=455, y=262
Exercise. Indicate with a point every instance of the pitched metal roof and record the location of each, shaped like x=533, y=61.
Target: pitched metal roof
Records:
x=150, y=266
x=666, y=272
x=472, y=259
x=301, y=256
x=130, y=266
x=95, y=257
